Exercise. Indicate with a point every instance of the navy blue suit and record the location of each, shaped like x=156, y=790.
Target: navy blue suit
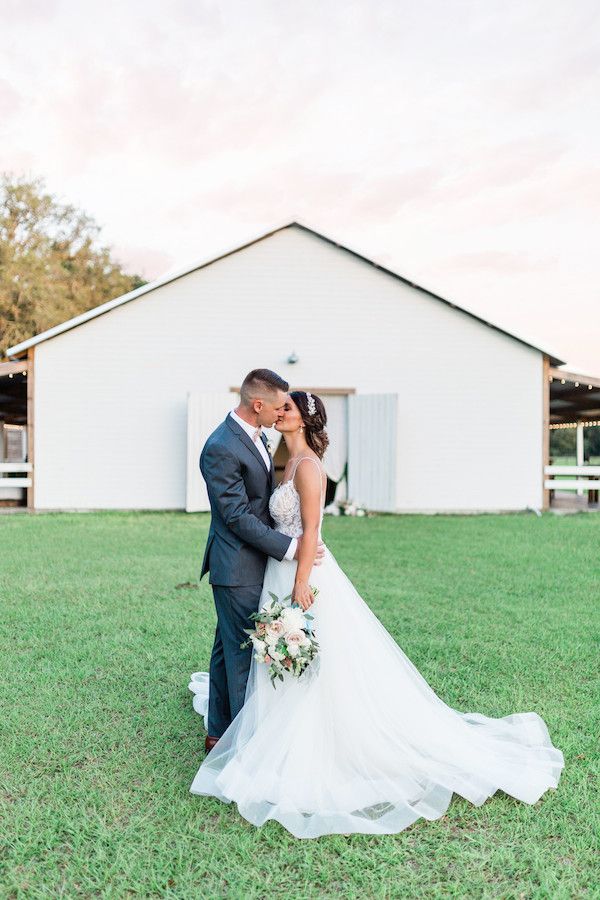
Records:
x=240, y=539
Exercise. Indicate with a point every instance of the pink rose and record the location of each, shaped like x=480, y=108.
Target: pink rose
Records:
x=275, y=629
x=293, y=640
x=267, y=659
x=294, y=637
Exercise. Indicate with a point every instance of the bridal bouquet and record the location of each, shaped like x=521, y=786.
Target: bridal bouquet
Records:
x=283, y=638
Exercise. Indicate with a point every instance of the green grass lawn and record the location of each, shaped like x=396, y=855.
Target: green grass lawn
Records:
x=99, y=741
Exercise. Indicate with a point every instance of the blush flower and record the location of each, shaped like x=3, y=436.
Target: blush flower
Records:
x=295, y=637
x=294, y=640
x=274, y=631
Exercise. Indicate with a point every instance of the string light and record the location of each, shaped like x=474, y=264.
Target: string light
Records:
x=556, y=425
x=564, y=381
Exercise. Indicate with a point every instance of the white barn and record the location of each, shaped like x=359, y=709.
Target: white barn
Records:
x=432, y=408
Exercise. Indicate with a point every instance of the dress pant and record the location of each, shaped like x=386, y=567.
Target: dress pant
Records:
x=229, y=664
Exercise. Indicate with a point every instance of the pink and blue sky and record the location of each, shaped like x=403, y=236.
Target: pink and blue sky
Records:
x=455, y=142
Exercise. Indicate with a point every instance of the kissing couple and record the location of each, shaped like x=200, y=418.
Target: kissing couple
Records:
x=360, y=742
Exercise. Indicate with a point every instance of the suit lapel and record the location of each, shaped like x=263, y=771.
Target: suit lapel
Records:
x=247, y=440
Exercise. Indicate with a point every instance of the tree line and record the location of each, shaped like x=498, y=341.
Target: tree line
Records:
x=563, y=442
x=52, y=263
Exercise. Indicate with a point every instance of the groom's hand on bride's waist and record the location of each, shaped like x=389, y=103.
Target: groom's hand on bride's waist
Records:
x=319, y=554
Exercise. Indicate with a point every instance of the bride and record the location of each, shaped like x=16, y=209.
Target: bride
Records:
x=359, y=743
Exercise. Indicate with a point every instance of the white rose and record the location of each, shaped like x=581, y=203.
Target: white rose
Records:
x=275, y=654
x=293, y=619
x=292, y=650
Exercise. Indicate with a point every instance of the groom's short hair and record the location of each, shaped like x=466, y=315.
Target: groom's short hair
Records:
x=261, y=381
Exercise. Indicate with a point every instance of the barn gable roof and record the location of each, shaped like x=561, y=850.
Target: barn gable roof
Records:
x=166, y=279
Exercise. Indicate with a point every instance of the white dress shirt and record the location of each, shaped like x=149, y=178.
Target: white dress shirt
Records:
x=250, y=429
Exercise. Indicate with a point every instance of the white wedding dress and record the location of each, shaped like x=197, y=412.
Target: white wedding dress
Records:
x=360, y=742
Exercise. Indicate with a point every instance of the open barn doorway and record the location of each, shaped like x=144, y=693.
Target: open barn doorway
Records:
x=207, y=409
x=572, y=471
x=15, y=444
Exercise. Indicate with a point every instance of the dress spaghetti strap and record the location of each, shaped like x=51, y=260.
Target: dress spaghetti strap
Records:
x=313, y=460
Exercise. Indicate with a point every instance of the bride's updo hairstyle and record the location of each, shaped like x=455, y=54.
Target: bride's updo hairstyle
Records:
x=314, y=418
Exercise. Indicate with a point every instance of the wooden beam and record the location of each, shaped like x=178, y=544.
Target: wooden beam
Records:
x=331, y=392
x=572, y=377
x=545, y=428
x=13, y=367
x=31, y=426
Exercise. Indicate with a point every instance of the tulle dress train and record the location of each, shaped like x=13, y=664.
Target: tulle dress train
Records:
x=360, y=742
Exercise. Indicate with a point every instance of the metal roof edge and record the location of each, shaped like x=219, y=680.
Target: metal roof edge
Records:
x=132, y=295
x=554, y=359
x=187, y=270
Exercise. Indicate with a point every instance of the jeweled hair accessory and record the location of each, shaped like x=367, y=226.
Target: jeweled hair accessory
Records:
x=312, y=406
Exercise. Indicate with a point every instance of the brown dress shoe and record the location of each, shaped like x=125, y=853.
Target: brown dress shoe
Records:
x=209, y=742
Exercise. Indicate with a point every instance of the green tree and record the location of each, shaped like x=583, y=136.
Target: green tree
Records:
x=592, y=441
x=562, y=442
x=52, y=266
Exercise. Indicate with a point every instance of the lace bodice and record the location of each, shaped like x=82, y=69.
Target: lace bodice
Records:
x=284, y=504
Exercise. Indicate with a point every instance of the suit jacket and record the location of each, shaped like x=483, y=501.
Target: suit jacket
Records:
x=241, y=534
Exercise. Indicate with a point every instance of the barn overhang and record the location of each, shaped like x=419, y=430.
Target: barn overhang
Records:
x=13, y=392
x=573, y=397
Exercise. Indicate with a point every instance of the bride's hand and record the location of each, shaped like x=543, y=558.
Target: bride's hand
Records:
x=303, y=595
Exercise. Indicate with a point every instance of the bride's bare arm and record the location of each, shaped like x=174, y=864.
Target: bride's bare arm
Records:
x=308, y=485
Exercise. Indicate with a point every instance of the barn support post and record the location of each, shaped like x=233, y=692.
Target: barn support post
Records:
x=30, y=425
x=545, y=428
x=580, y=461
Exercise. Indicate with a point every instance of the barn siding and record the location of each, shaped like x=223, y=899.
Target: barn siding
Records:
x=110, y=401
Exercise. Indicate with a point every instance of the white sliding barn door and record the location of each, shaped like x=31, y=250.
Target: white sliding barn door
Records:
x=373, y=450
x=205, y=412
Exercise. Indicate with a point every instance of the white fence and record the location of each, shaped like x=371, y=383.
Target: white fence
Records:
x=7, y=485
x=581, y=478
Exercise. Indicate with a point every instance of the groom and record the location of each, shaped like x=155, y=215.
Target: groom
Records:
x=240, y=478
